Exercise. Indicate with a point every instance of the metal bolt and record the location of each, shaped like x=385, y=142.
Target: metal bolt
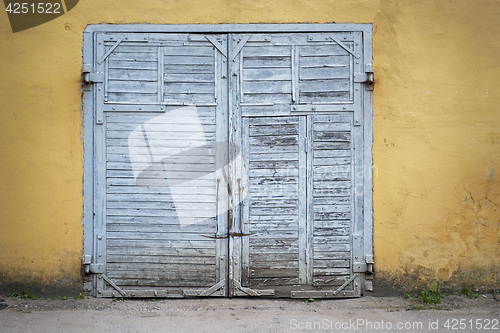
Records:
x=99, y=291
x=140, y=108
x=145, y=38
x=345, y=37
x=344, y=294
x=99, y=237
x=99, y=89
x=113, y=294
x=100, y=254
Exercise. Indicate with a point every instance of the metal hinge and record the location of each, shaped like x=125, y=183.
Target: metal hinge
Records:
x=366, y=77
x=364, y=267
x=91, y=77
x=90, y=268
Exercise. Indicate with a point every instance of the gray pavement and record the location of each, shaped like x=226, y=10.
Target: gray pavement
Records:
x=367, y=314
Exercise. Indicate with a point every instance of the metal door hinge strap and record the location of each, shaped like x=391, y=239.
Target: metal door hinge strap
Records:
x=89, y=77
x=345, y=47
x=217, y=45
x=239, y=46
x=219, y=285
x=112, y=284
x=250, y=292
x=339, y=289
x=108, y=52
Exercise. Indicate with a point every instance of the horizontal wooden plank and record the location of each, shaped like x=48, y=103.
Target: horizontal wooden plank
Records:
x=115, y=74
x=331, y=239
x=273, y=140
x=272, y=263
x=154, y=254
x=271, y=273
x=329, y=126
x=325, y=85
x=273, y=202
x=336, y=136
x=329, y=248
x=336, y=200
x=189, y=99
x=266, y=51
x=273, y=211
x=266, y=121
x=332, y=145
x=267, y=87
x=329, y=208
x=329, y=281
x=264, y=226
x=188, y=51
x=333, y=161
x=134, y=65
x=267, y=282
x=324, y=50
x=160, y=212
x=331, y=263
x=186, y=189
x=197, y=59
x=324, y=97
x=256, y=219
x=145, y=261
x=205, y=243
x=189, y=87
x=332, y=216
x=152, y=236
x=332, y=255
x=331, y=271
x=156, y=284
x=188, y=221
x=273, y=156
x=161, y=244
x=153, y=205
x=267, y=62
x=273, y=164
x=204, y=115
x=189, y=78
x=164, y=197
x=206, y=264
x=278, y=129
x=132, y=98
x=273, y=173
x=267, y=242
x=123, y=48
x=165, y=135
x=267, y=74
x=327, y=232
x=275, y=248
x=189, y=69
x=314, y=60
x=129, y=56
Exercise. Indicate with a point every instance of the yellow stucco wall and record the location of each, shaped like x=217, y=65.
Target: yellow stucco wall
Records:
x=436, y=131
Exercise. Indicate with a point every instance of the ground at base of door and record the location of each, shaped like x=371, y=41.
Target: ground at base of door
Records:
x=252, y=315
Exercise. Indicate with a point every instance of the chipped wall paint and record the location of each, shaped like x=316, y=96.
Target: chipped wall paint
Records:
x=436, y=132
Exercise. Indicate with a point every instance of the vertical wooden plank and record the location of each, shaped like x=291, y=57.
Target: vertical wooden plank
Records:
x=295, y=74
x=358, y=175
x=302, y=209
x=221, y=134
x=99, y=171
x=161, y=79
x=368, y=167
x=309, y=199
x=88, y=156
x=234, y=172
x=245, y=205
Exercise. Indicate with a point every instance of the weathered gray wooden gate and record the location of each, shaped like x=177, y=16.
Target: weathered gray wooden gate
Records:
x=230, y=160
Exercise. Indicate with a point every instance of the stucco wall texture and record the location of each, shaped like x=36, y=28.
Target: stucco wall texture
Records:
x=436, y=132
